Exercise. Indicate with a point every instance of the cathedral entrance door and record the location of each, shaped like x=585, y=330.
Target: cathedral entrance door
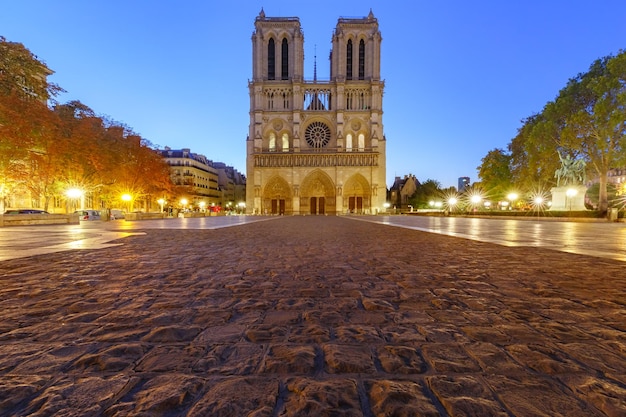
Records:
x=278, y=206
x=355, y=204
x=318, y=205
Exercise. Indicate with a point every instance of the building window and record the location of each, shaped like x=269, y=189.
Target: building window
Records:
x=361, y=60
x=284, y=68
x=285, y=142
x=271, y=60
x=349, y=60
x=270, y=101
x=272, y=142
x=349, y=142
x=361, y=142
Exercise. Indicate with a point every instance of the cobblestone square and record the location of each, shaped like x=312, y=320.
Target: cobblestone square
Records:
x=312, y=316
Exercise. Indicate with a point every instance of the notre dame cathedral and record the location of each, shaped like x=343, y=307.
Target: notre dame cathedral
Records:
x=315, y=146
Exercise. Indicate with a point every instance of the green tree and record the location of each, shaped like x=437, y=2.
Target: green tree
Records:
x=594, y=126
x=586, y=120
x=533, y=151
x=495, y=174
x=425, y=192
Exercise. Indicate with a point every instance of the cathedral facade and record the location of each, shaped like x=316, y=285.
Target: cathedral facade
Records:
x=314, y=146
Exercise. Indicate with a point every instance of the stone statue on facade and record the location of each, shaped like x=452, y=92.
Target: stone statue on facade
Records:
x=571, y=172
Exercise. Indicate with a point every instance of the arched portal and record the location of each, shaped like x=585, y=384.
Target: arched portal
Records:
x=277, y=197
x=357, y=195
x=317, y=194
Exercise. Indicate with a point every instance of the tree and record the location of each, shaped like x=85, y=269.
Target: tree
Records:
x=594, y=105
x=586, y=120
x=22, y=73
x=534, y=154
x=495, y=174
x=425, y=192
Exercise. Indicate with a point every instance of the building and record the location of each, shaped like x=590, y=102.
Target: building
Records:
x=196, y=178
x=464, y=182
x=314, y=146
x=232, y=184
x=401, y=191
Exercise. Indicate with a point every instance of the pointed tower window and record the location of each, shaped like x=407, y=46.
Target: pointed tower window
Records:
x=349, y=60
x=272, y=142
x=285, y=142
x=361, y=60
x=271, y=60
x=284, y=64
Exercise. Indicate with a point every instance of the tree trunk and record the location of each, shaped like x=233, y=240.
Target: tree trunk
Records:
x=603, y=200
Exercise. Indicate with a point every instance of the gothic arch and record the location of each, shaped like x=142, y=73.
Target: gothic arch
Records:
x=356, y=194
x=277, y=196
x=277, y=187
x=317, y=194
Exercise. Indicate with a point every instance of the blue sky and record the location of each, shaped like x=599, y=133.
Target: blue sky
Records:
x=459, y=75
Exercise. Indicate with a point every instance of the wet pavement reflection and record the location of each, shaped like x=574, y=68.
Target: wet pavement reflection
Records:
x=601, y=239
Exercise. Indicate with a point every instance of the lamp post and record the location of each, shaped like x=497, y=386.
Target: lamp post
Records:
x=161, y=202
x=512, y=197
x=74, y=194
x=127, y=198
x=570, y=193
x=452, y=201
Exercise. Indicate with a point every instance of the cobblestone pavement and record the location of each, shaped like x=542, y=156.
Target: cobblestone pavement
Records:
x=312, y=316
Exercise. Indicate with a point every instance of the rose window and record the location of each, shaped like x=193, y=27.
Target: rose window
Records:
x=317, y=135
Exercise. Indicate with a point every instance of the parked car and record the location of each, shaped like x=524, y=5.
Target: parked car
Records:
x=117, y=214
x=26, y=211
x=88, y=214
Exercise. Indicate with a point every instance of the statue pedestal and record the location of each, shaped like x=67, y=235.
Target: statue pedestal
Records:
x=568, y=198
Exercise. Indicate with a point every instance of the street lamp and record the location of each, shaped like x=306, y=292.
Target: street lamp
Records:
x=183, y=202
x=570, y=193
x=452, y=201
x=512, y=197
x=242, y=206
x=475, y=200
x=127, y=198
x=161, y=202
x=74, y=194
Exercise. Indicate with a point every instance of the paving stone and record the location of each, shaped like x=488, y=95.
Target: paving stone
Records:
x=465, y=396
x=348, y=359
x=399, y=398
x=255, y=397
x=305, y=397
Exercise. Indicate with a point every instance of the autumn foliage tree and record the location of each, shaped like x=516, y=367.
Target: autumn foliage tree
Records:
x=47, y=148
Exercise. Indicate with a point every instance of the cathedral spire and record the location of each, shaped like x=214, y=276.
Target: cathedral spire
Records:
x=315, y=64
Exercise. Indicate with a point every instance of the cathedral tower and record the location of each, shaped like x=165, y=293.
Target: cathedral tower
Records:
x=315, y=146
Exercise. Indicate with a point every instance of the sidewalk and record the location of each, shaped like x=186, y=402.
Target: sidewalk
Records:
x=312, y=316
